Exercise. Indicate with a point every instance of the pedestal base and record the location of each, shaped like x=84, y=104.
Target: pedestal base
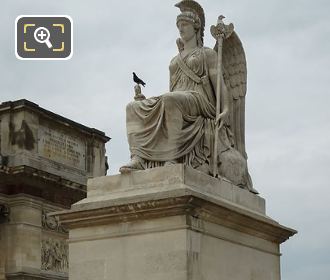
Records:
x=171, y=223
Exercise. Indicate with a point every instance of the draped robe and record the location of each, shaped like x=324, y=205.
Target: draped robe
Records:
x=178, y=125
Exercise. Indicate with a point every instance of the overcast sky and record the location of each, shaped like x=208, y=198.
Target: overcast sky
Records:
x=287, y=116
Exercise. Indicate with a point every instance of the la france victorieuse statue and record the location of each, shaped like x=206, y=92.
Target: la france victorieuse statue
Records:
x=172, y=221
x=200, y=121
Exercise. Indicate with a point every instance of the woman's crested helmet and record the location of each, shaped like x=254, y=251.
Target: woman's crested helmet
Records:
x=192, y=12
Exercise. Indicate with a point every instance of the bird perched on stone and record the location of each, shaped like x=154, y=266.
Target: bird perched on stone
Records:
x=137, y=80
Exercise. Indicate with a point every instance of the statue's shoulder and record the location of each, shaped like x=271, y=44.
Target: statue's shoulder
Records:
x=173, y=60
x=174, y=57
x=211, y=54
x=209, y=51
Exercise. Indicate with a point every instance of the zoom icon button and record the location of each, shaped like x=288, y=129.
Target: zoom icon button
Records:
x=43, y=37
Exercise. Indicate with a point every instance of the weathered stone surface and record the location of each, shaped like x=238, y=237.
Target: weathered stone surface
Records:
x=30, y=249
x=164, y=182
x=59, y=146
x=45, y=161
x=171, y=223
x=54, y=255
x=37, y=138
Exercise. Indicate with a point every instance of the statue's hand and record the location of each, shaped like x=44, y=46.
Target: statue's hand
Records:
x=220, y=119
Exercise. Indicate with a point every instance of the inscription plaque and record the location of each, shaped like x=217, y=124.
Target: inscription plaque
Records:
x=62, y=147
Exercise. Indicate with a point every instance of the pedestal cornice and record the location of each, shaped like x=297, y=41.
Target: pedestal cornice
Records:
x=132, y=202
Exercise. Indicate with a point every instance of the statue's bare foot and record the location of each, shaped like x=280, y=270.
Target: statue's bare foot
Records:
x=134, y=164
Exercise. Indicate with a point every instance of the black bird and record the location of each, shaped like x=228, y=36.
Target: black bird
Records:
x=138, y=80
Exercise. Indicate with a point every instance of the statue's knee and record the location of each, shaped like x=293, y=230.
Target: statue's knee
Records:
x=168, y=101
x=130, y=106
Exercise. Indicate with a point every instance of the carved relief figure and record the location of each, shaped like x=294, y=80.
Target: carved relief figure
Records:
x=51, y=223
x=179, y=126
x=54, y=255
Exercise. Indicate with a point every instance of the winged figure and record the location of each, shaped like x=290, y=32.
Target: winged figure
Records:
x=179, y=126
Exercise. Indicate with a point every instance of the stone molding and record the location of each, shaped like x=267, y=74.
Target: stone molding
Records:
x=23, y=199
x=38, y=183
x=34, y=276
x=37, y=173
x=190, y=206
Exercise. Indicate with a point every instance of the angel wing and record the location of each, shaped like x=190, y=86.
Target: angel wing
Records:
x=235, y=77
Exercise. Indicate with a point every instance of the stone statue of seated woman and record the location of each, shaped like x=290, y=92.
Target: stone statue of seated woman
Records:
x=179, y=126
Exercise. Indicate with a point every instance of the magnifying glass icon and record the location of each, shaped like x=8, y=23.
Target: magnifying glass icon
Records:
x=41, y=35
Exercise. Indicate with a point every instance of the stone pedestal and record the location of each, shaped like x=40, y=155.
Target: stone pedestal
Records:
x=171, y=223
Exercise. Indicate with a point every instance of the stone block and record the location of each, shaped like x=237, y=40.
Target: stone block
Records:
x=171, y=223
x=34, y=137
x=163, y=182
